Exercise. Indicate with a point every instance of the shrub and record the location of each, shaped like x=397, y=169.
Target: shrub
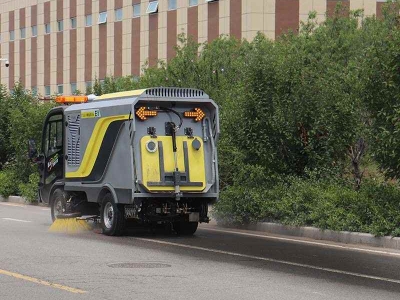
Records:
x=325, y=204
x=8, y=183
x=29, y=190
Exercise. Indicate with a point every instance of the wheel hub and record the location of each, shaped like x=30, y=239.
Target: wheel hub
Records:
x=108, y=215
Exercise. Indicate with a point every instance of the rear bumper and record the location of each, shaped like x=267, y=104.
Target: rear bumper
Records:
x=211, y=196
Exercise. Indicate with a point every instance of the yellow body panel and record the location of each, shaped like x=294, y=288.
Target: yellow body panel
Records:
x=93, y=147
x=151, y=163
x=121, y=94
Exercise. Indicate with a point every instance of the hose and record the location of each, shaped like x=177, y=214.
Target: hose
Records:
x=212, y=147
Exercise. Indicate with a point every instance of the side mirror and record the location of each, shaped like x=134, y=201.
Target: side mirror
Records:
x=32, y=150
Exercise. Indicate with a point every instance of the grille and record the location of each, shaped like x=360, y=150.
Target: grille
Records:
x=74, y=140
x=176, y=93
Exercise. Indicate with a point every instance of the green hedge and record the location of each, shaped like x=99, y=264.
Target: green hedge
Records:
x=375, y=208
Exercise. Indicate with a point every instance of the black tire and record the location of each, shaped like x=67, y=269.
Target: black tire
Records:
x=114, y=223
x=58, y=204
x=185, y=228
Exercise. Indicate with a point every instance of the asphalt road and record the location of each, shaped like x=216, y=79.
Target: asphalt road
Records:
x=214, y=264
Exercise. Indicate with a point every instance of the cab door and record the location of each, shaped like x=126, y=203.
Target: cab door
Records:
x=51, y=166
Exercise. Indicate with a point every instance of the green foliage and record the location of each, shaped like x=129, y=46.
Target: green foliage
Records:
x=8, y=183
x=323, y=204
x=29, y=190
x=380, y=79
x=22, y=117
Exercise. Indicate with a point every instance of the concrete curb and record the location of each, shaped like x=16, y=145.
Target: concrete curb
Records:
x=14, y=199
x=345, y=237
x=19, y=200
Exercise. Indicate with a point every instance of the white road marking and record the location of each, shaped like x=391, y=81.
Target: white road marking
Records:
x=359, y=275
x=16, y=220
x=305, y=242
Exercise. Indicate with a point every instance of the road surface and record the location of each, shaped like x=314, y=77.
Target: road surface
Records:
x=216, y=263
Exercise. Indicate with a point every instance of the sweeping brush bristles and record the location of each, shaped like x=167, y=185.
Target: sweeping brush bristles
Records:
x=69, y=225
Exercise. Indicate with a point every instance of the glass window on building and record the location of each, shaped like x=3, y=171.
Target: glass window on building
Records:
x=22, y=33
x=60, y=25
x=47, y=28
x=118, y=14
x=60, y=89
x=12, y=35
x=136, y=10
x=172, y=4
x=34, y=91
x=73, y=88
x=152, y=8
x=47, y=90
x=89, y=89
x=102, y=17
x=193, y=2
x=73, y=23
x=34, y=30
x=88, y=20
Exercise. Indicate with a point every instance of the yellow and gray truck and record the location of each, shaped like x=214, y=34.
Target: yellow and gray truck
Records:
x=146, y=155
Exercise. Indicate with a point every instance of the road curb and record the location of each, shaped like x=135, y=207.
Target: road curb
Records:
x=345, y=237
x=19, y=200
x=14, y=199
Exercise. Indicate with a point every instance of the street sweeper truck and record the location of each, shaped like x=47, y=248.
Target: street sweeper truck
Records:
x=147, y=156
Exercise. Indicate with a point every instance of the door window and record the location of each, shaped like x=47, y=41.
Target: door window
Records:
x=54, y=138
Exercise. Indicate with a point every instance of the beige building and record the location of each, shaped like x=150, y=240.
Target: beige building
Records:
x=58, y=46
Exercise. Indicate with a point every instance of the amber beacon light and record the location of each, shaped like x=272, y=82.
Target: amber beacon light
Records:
x=142, y=113
x=71, y=99
x=197, y=114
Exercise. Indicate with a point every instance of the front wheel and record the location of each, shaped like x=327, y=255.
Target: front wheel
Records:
x=58, y=204
x=112, y=218
x=185, y=228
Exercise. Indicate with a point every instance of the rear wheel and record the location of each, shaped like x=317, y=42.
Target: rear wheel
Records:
x=185, y=228
x=58, y=204
x=112, y=217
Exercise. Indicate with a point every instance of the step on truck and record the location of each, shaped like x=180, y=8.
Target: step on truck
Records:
x=147, y=156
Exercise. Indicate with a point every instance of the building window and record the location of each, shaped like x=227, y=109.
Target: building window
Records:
x=73, y=23
x=136, y=10
x=47, y=28
x=34, y=30
x=88, y=20
x=89, y=87
x=47, y=90
x=152, y=7
x=60, y=25
x=73, y=88
x=23, y=33
x=60, y=89
x=12, y=35
x=172, y=4
x=34, y=91
x=118, y=14
x=102, y=17
x=193, y=2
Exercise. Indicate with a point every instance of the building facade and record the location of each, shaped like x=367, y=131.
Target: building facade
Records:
x=58, y=46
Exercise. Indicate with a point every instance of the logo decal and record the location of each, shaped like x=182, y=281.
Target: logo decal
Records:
x=88, y=114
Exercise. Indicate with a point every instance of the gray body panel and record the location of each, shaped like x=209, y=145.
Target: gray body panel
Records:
x=123, y=171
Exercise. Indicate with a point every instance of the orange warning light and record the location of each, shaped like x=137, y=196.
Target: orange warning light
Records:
x=198, y=114
x=71, y=99
x=142, y=113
